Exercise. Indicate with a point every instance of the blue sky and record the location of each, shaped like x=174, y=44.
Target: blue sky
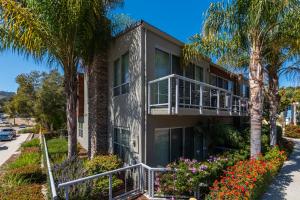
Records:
x=179, y=18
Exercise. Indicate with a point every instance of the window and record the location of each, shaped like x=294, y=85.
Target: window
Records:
x=121, y=143
x=121, y=75
x=198, y=73
x=172, y=143
x=80, y=129
x=162, y=63
x=221, y=82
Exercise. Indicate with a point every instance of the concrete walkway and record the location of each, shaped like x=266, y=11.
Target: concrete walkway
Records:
x=287, y=183
x=7, y=149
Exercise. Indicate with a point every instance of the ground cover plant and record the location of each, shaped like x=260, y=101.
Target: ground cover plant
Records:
x=23, y=177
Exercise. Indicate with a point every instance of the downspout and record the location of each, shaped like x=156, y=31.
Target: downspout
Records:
x=146, y=93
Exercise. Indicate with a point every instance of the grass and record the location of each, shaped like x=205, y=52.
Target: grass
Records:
x=32, y=143
x=57, y=149
x=25, y=159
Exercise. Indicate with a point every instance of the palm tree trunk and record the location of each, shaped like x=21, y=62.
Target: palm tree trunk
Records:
x=98, y=103
x=71, y=93
x=255, y=83
x=274, y=103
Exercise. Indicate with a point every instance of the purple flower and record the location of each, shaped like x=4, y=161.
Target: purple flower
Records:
x=203, y=167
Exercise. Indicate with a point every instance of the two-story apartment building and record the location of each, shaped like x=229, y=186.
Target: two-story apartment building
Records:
x=158, y=109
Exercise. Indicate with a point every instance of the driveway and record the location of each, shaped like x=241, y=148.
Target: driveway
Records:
x=8, y=148
x=287, y=183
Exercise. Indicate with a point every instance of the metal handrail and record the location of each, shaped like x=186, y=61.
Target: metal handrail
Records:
x=140, y=167
x=52, y=183
x=76, y=181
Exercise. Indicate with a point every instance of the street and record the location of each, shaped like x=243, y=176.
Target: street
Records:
x=8, y=148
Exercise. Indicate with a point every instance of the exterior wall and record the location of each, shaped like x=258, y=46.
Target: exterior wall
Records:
x=84, y=119
x=125, y=111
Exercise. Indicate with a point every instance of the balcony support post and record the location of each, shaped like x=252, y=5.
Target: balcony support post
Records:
x=149, y=97
x=218, y=101
x=176, y=95
x=230, y=104
x=240, y=106
x=201, y=99
x=169, y=96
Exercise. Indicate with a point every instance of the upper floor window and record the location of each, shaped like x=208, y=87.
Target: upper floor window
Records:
x=166, y=64
x=221, y=82
x=162, y=63
x=121, y=75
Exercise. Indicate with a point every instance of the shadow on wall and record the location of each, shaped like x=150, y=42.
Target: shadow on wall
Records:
x=128, y=108
x=277, y=190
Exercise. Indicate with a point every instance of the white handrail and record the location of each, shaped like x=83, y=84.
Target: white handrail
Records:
x=52, y=183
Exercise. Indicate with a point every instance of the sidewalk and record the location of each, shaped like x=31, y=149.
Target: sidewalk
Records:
x=287, y=183
x=10, y=147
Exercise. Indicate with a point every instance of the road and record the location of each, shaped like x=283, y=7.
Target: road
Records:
x=8, y=148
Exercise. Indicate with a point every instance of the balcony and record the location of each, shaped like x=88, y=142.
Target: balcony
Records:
x=178, y=95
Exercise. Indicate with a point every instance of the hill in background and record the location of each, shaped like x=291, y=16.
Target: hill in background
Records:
x=4, y=94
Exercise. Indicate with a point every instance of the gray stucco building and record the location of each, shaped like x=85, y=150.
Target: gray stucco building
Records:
x=155, y=103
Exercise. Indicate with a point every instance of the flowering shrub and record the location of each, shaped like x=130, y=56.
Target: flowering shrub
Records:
x=246, y=179
x=187, y=175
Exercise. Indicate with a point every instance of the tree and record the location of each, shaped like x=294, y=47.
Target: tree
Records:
x=49, y=105
x=47, y=30
x=94, y=57
x=22, y=103
x=246, y=28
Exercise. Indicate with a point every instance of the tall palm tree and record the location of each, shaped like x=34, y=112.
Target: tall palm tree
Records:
x=47, y=30
x=98, y=27
x=280, y=60
x=246, y=27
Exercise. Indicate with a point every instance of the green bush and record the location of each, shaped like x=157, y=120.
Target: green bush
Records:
x=227, y=135
x=32, y=143
x=25, y=159
x=103, y=163
x=100, y=164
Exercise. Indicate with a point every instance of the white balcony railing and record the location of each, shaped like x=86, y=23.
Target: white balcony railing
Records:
x=176, y=93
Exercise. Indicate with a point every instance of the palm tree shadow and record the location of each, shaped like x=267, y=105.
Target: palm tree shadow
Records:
x=277, y=190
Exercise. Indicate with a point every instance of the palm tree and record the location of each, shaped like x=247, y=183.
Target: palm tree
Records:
x=47, y=30
x=246, y=27
x=94, y=57
x=280, y=60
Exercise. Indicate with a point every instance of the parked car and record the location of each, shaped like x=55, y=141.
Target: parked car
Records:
x=7, y=134
x=22, y=126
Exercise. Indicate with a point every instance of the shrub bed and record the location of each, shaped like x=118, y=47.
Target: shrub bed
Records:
x=23, y=177
x=292, y=131
x=248, y=179
x=77, y=168
x=188, y=174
